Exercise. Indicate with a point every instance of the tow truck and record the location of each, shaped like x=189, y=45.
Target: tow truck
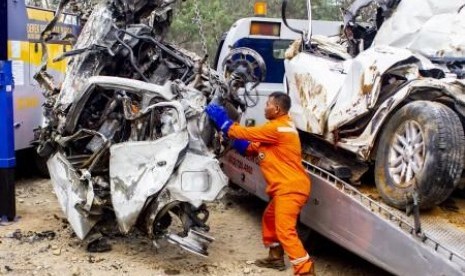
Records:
x=353, y=216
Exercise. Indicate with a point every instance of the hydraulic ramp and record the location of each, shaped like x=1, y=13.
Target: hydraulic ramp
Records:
x=371, y=229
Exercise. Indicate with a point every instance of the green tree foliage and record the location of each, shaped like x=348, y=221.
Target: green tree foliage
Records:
x=218, y=16
x=326, y=10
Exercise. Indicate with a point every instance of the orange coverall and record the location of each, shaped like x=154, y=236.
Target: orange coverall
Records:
x=278, y=147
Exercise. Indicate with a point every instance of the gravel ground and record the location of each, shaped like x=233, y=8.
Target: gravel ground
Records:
x=42, y=243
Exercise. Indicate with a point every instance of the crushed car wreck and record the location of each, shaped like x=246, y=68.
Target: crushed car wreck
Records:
x=388, y=93
x=126, y=131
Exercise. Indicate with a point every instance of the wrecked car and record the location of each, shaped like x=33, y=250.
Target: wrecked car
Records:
x=388, y=94
x=126, y=133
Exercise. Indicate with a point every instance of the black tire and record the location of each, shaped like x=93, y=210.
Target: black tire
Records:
x=441, y=150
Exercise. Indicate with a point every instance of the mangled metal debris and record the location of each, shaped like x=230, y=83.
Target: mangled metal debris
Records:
x=393, y=99
x=31, y=236
x=126, y=132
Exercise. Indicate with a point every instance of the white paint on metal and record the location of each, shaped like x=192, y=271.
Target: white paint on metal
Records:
x=360, y=88
x=140, y=169
x=134, y=85
x=199, y=178
x=434, y=28
x=70, y=193
x=312, y=89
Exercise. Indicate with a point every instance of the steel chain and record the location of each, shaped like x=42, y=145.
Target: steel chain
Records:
x=199, y=21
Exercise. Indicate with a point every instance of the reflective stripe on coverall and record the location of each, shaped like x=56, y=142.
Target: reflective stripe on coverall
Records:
x=288, y=185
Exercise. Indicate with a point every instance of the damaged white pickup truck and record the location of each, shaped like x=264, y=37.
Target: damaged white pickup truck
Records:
x=126, y=133
x=388, y=93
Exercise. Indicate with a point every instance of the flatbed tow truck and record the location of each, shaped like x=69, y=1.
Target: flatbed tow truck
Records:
x=355, y=217
x=351, y=217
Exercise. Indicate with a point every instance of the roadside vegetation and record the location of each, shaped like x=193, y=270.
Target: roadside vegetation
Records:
x=218, y=15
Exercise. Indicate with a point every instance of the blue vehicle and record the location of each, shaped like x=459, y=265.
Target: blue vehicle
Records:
x=20, y=31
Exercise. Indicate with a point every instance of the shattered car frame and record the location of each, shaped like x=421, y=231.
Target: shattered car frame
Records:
x=126, y=133
x=388, y=93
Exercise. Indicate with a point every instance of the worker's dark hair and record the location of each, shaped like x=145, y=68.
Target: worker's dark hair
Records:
x=282, y=99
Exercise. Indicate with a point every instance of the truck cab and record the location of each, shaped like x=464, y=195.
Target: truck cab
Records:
x=261, y=41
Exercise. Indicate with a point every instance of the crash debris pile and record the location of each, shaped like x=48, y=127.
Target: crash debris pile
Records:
x=126, y=132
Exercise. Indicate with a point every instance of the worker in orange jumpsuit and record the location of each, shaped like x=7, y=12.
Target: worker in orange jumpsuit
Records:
x=278, y=148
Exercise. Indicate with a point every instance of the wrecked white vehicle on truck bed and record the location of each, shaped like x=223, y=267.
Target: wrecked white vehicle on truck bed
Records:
x=390, y=93
x=126, y=132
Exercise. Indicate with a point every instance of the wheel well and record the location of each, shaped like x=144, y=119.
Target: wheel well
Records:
x=431, y=96
x=385, y=121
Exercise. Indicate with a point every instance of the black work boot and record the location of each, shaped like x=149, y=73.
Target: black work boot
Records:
x=275, y=259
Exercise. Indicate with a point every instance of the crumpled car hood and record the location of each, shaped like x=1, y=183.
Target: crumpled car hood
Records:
x=433, y=28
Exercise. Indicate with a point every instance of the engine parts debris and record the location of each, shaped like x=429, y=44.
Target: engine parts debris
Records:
x=126, y=132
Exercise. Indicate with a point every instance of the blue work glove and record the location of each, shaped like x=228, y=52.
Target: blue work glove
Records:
x=241, y=146
x=219, y=116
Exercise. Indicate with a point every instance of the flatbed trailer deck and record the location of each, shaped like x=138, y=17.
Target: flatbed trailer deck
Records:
x=369, y=228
